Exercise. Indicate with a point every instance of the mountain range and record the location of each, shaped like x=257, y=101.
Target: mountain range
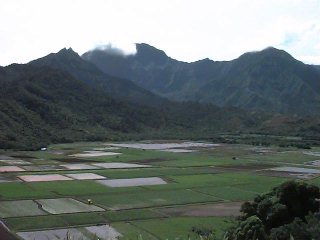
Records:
x=64, y=97
x=270, y=80
x=69, y=61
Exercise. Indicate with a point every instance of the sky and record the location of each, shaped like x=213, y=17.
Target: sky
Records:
x=187, y=30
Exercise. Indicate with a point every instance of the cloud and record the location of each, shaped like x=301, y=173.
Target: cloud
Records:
x=310, y=59
x=303, y=41
x=117, y=49
x=290, y=39
x=187, y=30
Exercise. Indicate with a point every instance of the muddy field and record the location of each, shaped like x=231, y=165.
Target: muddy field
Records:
x=178, y=150
x=44, y=178
x=75, y=160
x=14, y=162
x=95, y=154
x=85, y=176
x=11, y=169
x=43, y=168
x=78, y=166
x=66, y=205
x=5, y=234
x=116, y=165
x=20, y=208
x=165, y=146
x=205, y=210
x=104, y=232
x=133, y=182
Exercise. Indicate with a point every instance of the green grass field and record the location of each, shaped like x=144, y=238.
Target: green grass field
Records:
x=229, y=173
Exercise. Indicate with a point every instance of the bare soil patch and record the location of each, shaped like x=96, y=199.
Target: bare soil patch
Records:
x=287, y=174
x=5, y=157
x=115, y=165
x=79, y=166
x=11, y=169
x=14, y=162
x=95, y=154
x=5, y=234
x=163, y=146
x=44, y=178
x=85, y=176
x=63, y=234
x=22, y=156
x=205, y=210
x=106, y=148
x=43, y=168
x=179, y=150
x=297, y=170
x=67, y=205
x=20, y=208
x=7, y=178
x=104, y=232
x=133, y=182
x=315, y=163
x=316, y=154
x=247, y=167
x=152, y=160
x=75, y=160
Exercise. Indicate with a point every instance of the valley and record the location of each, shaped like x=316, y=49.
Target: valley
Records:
x=159, y=120
x=147, y=189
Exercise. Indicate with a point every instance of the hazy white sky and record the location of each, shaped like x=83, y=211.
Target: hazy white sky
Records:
x=187, y=30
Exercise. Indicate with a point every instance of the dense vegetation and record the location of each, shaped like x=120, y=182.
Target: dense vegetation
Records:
x=63, y=98
x=270, y=80
x=41, y=105
x=289, y=211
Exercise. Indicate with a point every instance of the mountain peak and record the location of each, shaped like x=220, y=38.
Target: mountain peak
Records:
x=275, y=51
x=268, y=53
x=59, y=59
x=271, y=49
x=148, y=53
x=67, y=52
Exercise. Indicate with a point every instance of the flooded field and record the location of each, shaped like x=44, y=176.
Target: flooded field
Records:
x=165, y=146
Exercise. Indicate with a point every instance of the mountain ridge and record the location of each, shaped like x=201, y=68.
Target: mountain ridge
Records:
x=268, y=80
x=69, y=61
x=63, y=98
x=41, y=105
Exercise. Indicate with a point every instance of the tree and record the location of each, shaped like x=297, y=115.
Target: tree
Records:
x=250, y=229
x=297, y=229
x=283, y=204
x=299, y=197
x=290, y=210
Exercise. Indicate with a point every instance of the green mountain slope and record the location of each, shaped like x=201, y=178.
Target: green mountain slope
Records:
x=270, y=80
x=69, y=61
x=39, y=105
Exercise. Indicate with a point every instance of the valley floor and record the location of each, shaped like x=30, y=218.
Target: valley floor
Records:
x=150, y=189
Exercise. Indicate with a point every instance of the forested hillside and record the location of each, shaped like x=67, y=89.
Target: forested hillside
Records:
x=270, y=80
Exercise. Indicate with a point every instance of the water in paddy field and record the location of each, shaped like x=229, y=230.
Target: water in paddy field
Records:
x=165, y=146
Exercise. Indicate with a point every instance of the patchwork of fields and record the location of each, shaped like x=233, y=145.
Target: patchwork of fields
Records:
x=124, y=191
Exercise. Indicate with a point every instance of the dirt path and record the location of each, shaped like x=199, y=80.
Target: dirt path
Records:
x=5, y=234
